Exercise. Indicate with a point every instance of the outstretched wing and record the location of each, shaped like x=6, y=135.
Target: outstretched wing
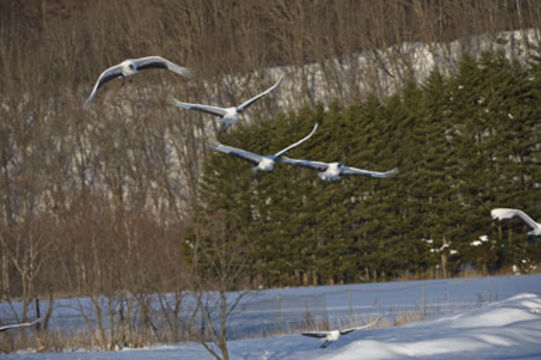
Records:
x=284, y=150
x=213, y=110
x=19, y=325
x=151, y=62
x=247, y=103
x=503, y=213
x=109, y=74
x=316, y=334
x=316, y=165
x=243, y=154
x=365, y=326
x=347, y=170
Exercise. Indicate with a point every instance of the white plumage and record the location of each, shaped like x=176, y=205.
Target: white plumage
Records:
x=264, y=162
x=131, y=67
x=228, y=116
x=504, y=213
x=332, y=335
x=333, y=171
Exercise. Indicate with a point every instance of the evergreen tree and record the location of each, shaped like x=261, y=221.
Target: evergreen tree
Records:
x=464, y=144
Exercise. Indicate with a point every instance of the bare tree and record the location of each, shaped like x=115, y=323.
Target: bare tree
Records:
x=218, y=270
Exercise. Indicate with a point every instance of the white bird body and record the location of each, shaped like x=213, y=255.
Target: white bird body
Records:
x=264, y=162
x=127, y=68
x=131, y=67
x=230, y=117
x=227, y=116
x=504, y=213
x=329, y=336
x=332, y=335
x=333, y=171
x=19, y=325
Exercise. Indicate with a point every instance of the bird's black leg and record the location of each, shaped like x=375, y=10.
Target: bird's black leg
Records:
x=123, y=80
x=256, y=173
x=324, y=184
x=223, y=128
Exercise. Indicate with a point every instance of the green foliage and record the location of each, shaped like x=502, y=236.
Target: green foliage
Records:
x=464, y=144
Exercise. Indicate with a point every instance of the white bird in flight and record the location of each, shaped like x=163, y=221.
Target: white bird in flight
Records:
x=131, y=67
x=332, y=335
x=19, y=325
x=333, y=171
x=503, y=213
x=228, y=116
x=264, y=162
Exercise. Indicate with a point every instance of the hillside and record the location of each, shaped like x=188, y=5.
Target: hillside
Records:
x=125, y=198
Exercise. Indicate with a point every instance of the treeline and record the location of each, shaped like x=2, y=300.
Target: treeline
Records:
x=464, y=144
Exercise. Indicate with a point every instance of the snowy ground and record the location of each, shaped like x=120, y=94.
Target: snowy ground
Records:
x=274, y=311
x=507, y=329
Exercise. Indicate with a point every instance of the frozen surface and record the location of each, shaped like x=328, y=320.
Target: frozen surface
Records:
x=282, y=310
x=508, y=329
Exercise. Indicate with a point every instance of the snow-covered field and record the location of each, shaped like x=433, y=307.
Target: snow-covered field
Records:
x=283, y=310
x=507, y=329
x=483, y=318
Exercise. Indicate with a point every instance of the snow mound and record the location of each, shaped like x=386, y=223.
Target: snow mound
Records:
x=502, y=330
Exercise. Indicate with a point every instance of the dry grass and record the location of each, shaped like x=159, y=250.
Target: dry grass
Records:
x=347, y=321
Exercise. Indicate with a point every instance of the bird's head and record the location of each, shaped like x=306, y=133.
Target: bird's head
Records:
x=335, y=165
